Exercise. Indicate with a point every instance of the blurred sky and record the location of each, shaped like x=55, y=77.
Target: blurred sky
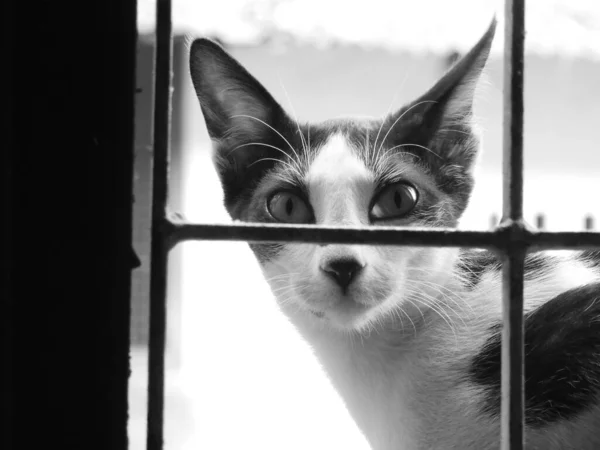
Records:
x=568, y=27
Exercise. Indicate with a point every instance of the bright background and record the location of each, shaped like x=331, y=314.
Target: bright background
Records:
x=238, y=375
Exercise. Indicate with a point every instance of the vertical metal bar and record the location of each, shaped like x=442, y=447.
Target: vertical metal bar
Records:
x=513, y=109
x=158, y=247
x=512, y=349
x=513, y=267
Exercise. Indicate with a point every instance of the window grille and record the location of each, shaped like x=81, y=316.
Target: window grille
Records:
x=512, y=237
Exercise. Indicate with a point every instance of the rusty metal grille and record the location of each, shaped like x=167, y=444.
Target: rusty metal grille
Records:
x=512, y=238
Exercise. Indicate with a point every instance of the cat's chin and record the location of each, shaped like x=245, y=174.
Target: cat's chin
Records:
x=345, y=316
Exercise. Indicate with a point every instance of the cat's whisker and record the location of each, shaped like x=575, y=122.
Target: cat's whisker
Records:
x=415, y=145
x=275, y=160
x=448, y=130
x=460, y=306
x=270, y=127
x=286, y=298
x=384, y=118
x=401, y=310
x=381, y=162
x=286, y=275
x=449, y=295
x=418, y=309
x=445, y=297
x=395, y=313
x=295, y=116
x=368, y=154
x=297, y=169
x=456, y=276
x=309, y=153
x=383, y=121
x=431, y=303
x=280, y=289
x=400, y=118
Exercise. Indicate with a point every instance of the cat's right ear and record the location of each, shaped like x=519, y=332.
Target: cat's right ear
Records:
x=246, y=124
x=234, y=104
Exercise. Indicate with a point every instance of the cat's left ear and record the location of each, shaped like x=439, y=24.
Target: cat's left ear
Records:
x=441, y=119
x=454, y=93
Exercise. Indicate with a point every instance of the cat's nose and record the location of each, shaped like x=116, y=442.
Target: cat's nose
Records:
x=343, y=271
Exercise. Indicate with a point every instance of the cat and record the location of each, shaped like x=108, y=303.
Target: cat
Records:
x=409, y=336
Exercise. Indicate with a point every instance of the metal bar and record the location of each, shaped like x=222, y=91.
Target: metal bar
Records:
x=158, y=247
x=334, y=235
x=571, y=240
x=512, y=349
x=513, y=261
x=430, y=237
x=513, y=109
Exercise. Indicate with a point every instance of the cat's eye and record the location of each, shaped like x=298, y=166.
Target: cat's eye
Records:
x=287, y=207
x=394, y=202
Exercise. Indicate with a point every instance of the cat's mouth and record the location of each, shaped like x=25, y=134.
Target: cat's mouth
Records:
x=345, y=312
x=348, y=315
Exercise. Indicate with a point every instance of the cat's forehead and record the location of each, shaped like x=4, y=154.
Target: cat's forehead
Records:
x=337, y=160
x=339, y=182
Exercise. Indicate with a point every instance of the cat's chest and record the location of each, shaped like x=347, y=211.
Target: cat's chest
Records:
x=381, y=392
x=409, y=398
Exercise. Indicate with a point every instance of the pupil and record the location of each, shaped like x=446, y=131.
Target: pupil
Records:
x=397, y=199
x=289, y=206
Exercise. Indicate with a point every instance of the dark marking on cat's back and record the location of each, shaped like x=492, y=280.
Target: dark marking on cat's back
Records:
x=537, y=264
x=562, y=362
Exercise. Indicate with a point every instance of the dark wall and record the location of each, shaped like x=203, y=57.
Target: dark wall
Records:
x=67, y=164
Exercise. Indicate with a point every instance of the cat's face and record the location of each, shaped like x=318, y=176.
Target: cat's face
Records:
x=412, y=168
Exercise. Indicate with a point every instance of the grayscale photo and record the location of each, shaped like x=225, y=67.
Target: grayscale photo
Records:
x=302, y=225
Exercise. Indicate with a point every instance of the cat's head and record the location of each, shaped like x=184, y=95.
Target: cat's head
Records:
x=410, y=168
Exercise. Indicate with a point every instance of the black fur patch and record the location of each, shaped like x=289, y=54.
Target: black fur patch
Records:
x=562, y=362
x=536, y=264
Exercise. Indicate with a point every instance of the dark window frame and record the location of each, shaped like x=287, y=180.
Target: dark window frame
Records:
x=66, y=170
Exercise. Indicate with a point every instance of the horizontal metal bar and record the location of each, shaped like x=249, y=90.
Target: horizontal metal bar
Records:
x=427, y=237
x=568, y=240
x=331, y=235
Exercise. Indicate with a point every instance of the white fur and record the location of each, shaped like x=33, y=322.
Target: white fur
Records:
x=338, y=183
